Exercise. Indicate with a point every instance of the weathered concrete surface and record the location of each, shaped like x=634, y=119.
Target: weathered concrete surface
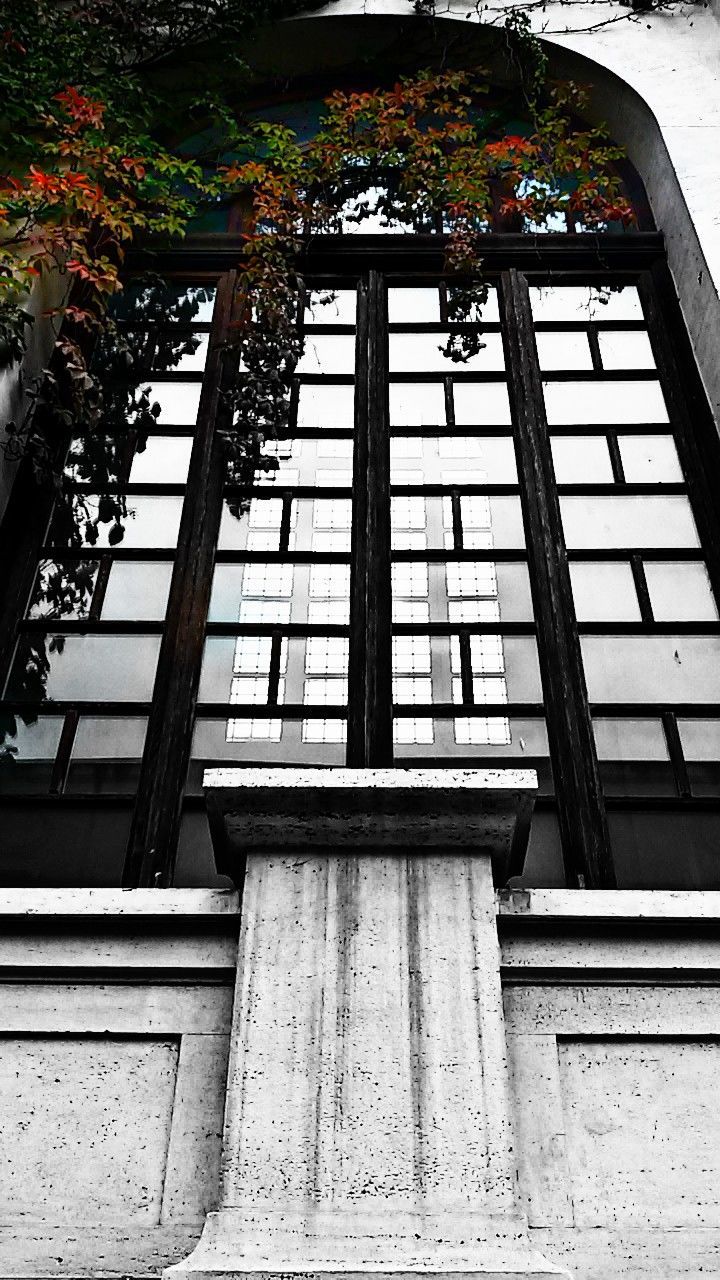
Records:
x=367, y=1124
x=114, y=1018
x=612, y=1006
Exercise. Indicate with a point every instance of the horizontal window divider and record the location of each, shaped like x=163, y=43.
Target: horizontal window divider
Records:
x=271, y=490
x=277, y=628
x=615, y=488
x=599, y=375
x=546, y=258
x=663, y=804
x=445, y=490
x=464, y=628
x=157, y=489
x=442, y=556
x=452, y=326
x=314, y=711
x=91, y=707
x=602, y=428
x=458, y=373
x=311, y=433
x=663, y=628
x=325, y=379
x=679, y=554
x=463, y=710
x=283, y=557
x=444, y=432
x=53, y=552
x=81, y=626
x=159, y=430
x=271, y=711
x=654, y=710
x=597, y=323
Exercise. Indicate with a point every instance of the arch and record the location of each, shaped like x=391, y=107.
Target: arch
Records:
x=340, y=38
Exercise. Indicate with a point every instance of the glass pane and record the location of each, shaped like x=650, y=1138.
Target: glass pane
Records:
x=584, y=302
x=147, y=522
x=481, y=403
x=417, y=404
x=604, y=592
x=640, y=739
x=414, y=306
x=87, y=848
x=328, y=353
x=680, y=591
x=106, y=755
x=145, y=301
x=484, y=737
x=599, y=402
x=625, y=350
x=581, y=460
x=309, y=462
x=180, y=352
x=426, y=351
x=327, y=405
x=666, y=850
x=164, y=460
x=178, y=402
x=27, y=752
x=310, y=741
x=331, y=306
x=487, y=523
x=563, y=351
x=452, y=460
x=137, y=589
x=85, y=668
x=316, y=524
x=700, y=738
x=63, y=589
x=252, y=593
x=628, y=522
x=480, y=591
x=101, y=738
x=650, y=459
x=236, y=669
x=652, y=668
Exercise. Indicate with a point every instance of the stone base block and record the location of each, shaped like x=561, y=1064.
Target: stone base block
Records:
x=387, y=1246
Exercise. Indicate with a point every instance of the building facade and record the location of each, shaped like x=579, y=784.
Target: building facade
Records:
x=360, y=821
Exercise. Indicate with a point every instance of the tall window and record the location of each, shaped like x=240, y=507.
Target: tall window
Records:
x=511, y=560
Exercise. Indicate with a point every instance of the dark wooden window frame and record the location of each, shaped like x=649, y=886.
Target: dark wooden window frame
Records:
x=510, y=261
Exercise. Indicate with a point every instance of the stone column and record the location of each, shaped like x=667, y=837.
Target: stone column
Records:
x=368, y=1122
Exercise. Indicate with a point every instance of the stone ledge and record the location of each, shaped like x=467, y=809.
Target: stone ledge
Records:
x=118, y=902
x=655, y=906
x=350, y=812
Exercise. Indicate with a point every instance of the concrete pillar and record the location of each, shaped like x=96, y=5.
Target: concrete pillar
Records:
x=368, y=1124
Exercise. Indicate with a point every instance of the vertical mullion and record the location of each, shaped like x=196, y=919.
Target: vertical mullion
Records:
x=152, y=844
x=369, y=740
x=581, y=811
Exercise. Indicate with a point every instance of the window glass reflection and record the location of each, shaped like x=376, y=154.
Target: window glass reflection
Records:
x=103, y=668
x=650, y=459
x=594, y=403
x=585, y=302
x=652, y=668
x=581, y=460
x=596, y=522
